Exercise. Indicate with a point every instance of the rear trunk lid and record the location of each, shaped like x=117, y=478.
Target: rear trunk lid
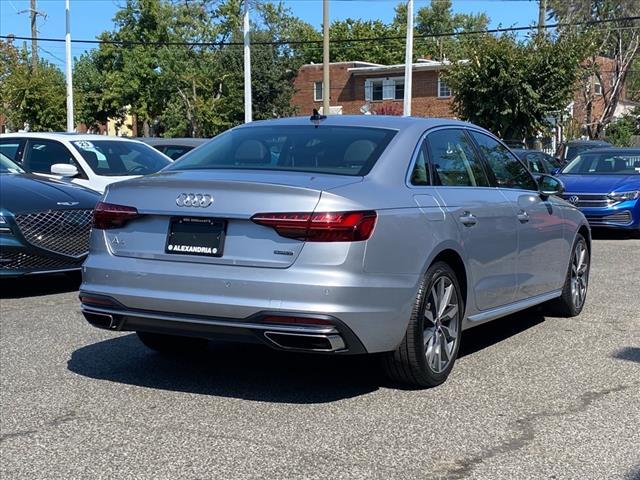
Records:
x=236, y=197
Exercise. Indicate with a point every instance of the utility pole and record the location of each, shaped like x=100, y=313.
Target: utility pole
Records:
x=34, y=36
x=408, y=61
x=326, y=100
x=33, y=13
x=247, y=65
x=67, y=41
x=542, y=15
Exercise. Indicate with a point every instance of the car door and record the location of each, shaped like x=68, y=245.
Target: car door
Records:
x=484, y=217
x=539, y=221
x=41, y=154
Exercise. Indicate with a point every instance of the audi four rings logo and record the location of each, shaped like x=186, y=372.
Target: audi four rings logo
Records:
x=574, y=199
x=201, y=200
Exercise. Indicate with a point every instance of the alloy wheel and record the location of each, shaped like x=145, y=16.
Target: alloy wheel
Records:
x=579, y=275
x=441, y=324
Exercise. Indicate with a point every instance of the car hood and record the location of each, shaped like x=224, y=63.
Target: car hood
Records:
x=600, y=183
x=28, y=193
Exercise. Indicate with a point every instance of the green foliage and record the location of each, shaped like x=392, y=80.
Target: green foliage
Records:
x=189, y=90
x=37, y=97
x=621, y=131
x=510, y=87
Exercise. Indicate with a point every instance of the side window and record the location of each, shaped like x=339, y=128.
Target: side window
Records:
x=508, y=170
x=420, y=173
x=41, y=154
x=10, y=149
x=454, y=159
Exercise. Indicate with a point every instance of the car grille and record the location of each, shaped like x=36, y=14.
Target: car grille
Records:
x=16, y=260
x=65, y=232
x=621, y=218
x=588, y=199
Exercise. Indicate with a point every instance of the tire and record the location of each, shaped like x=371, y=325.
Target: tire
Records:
x=574, y=290
x=171, y=344
x=413, y=362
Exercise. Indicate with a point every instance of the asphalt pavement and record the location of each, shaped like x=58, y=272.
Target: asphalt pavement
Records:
x=530, y=398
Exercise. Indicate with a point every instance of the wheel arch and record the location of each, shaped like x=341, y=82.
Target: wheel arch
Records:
x=453, y=258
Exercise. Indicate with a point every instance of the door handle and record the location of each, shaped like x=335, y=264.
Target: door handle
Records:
x=523, y=217
x=468, y=219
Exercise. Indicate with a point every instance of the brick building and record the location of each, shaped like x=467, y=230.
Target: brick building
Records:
x=360, y=86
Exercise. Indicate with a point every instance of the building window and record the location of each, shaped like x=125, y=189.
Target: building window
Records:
x=378, y=89
x=398, y=88
x=597, y=86
x=443, y=89
x=317, y=91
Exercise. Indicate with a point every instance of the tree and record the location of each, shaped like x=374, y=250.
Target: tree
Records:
x=36, y=97
x=510, y=87
x=619, y=40
x=621, y=131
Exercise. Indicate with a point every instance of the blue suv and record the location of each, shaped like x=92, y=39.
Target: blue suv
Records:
x=605, y=184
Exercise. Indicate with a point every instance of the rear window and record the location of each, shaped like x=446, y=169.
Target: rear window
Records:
x=298, y=148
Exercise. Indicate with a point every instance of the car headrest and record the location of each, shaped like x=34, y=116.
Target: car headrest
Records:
x=252, y=151
x=359, y=151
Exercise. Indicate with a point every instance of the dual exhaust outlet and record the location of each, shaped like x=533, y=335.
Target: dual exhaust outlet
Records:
x=330, y=342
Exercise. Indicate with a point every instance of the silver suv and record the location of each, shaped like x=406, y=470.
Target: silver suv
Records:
x=339, y=235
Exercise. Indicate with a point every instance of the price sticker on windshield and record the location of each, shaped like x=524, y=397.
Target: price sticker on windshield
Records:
x=84, y=145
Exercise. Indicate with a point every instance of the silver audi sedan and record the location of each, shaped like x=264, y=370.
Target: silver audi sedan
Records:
x=339, y=235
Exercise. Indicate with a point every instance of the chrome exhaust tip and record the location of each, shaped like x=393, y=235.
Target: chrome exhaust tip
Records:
x=307, y=342
x=101, y=320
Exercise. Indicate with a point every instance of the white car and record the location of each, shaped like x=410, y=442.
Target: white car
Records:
x=93, y=161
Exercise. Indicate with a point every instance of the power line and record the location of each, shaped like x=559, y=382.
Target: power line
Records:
x=338, y=41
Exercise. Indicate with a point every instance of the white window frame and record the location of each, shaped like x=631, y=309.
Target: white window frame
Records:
x=388, y=88
x=441, y=84
x=315, y=91
x=597, y=86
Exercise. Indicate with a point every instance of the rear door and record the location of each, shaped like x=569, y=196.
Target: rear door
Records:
x=483, y=215
x=542, y=255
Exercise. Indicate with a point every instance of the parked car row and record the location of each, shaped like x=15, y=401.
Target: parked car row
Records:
x=340, y=235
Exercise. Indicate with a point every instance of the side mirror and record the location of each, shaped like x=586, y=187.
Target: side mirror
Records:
x=548, y=185
x=64, y=169
x=556, y=171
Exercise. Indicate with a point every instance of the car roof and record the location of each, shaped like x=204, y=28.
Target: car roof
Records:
x=587, y=142
x=66, y=136
x=375, y=121
x=614, y=150
x=191, y=142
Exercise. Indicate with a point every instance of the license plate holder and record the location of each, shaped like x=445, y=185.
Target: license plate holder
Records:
x=196, y=236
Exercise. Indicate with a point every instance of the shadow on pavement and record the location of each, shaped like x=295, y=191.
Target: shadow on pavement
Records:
x=611, y=234
x=631, y=354
x=255, y=372
x=37, y=285
x=488, y=334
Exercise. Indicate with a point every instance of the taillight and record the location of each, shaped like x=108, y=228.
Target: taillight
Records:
x=109, y=215
x=321, y=227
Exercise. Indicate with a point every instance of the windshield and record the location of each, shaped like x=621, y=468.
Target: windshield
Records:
x=297, y=148
x=120, y=158
x=606, y=163
x=7, y=166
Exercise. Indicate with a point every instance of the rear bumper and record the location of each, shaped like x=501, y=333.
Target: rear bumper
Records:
x=334, y=338
x=370, y=312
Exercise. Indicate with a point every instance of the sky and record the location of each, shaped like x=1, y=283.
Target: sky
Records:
x=91, y=17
